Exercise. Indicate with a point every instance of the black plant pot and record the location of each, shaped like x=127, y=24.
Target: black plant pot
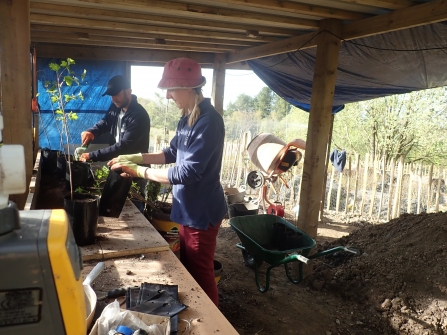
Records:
x=81, y=175
x=114, y=194
x=61, y=166
x=82, y=213
x=49, y=161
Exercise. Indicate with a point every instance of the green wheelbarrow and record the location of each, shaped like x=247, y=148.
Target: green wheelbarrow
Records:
x=271, y=239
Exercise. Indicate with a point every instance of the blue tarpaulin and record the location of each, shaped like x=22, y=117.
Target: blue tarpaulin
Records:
x=89, y=111
x=371, y=67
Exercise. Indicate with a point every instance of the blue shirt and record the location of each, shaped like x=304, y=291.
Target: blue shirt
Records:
x=198, y=197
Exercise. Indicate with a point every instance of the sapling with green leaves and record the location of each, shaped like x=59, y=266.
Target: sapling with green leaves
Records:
x=61, y=93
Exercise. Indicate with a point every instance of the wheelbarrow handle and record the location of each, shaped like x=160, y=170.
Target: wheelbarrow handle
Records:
x=301, y=258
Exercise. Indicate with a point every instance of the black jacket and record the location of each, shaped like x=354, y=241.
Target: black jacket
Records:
x=134, y=135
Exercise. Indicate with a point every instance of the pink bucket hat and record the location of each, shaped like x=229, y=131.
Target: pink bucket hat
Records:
x=181, y=73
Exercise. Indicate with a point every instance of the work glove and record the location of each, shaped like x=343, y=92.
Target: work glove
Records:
x=78, y=152
x=134, y=158
x=140, y=171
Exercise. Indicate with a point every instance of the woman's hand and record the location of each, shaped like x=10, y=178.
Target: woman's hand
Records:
x=128, y=169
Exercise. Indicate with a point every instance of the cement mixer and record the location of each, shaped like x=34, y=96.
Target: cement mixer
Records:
x=272, y=157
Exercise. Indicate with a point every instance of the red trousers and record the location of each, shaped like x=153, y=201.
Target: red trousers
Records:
x=197, y=255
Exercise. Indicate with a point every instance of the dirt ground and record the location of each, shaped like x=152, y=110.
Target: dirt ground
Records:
x=397, y=286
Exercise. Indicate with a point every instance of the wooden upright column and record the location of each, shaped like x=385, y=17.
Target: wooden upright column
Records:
x=15, y=74
x=320, y=121
x=219, y=81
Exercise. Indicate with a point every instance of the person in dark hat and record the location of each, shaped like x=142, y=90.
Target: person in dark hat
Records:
x=127, y=122
x=198, y=203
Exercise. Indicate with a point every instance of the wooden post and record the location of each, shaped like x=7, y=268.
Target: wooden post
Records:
x=348, y=186
x=240, y=158
x=430, y=182
x=396, y=204
x=218, y=87
x=356, y=183
x=390, y=191
x=438, y=188
x=16, y=82
x=325, y=170
x=320, y=121
x=419, y=189
x=365, y=182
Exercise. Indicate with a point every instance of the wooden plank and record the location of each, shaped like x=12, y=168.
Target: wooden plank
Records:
x=427, y=13
x=410, y=189
x=320, y=121
x=340, y=180
x=374, y=187
x=129, y=234
x=388, y=4
x=165, y=268
x=218, y=85
x=16, y=83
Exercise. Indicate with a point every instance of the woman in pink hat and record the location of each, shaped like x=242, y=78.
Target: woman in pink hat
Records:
x=198, y=203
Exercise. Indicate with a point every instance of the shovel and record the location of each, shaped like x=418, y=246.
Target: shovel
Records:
x=115, y=293
x=90, y=295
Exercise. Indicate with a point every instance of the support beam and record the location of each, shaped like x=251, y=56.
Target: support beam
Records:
x=218, y=82
x=426, y=13
x=16, y=81
x=320, y=121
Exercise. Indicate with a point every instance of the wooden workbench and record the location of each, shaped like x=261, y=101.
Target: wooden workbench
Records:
x=161, y=267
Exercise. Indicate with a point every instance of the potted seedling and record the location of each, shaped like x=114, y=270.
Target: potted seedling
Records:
x=82, y=209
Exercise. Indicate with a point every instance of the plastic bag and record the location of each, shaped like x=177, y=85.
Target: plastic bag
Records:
x=112, y=316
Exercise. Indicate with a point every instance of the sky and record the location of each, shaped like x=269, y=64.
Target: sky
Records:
x=145, y=80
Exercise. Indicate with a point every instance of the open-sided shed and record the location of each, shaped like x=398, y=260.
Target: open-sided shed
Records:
x=219, y=34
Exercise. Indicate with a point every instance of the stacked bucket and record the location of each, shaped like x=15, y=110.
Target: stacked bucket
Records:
x=237, y=205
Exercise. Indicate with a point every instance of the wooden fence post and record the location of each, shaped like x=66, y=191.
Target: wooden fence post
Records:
x=348, y=186
x=340, y=180
x=438, y=188
x=365, y=177
x=418, y=210
x=329, y=194
x=383, y=187
x=430, y=182
x=356, y=183
x=396, y=204
x=410, y=188
x=390, y=191
x=374, y=187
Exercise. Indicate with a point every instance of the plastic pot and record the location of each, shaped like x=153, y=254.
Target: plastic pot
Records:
x=81, y=175
x=82, y=212
x=49, y=161
x=114, y=195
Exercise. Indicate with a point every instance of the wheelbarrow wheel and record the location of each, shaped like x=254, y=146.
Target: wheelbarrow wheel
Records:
x=250, y=260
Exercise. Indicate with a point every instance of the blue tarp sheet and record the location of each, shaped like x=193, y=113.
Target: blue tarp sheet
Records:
x=371, y=67
x=89, y=111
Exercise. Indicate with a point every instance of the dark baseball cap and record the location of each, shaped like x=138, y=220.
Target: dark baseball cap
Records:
x=116, y=85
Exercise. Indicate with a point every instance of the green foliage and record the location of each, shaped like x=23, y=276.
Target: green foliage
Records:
x=153, y=189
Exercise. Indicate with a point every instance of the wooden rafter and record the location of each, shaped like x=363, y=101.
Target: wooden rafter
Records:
x=431, y=12
x=388, y=4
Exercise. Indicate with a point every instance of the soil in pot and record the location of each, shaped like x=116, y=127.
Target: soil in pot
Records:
x=82, y=213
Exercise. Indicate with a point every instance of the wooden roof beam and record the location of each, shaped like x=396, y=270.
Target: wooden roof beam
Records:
x=99, y=24
x=283, y=6
x=146, y=18
x=430, y=12
x=171, y=9
x=132, y=35
x=136, y=56
x=387, y=4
